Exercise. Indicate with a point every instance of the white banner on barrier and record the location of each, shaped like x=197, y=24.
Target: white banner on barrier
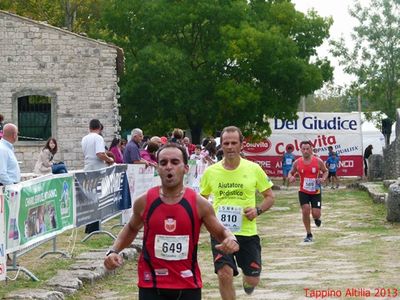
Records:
x=140, y=180
x=3, y=256
x=193, y=177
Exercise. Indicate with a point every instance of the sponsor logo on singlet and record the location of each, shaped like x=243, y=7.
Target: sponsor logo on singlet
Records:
x=170, y=224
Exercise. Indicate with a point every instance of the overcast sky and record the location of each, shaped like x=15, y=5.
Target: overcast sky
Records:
x=342, y=26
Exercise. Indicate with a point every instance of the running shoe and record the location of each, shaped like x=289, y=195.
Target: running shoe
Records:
x=308, y=239
x=248, y=289
x=317, y=222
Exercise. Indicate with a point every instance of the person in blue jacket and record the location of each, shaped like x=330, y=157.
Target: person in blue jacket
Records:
x=287, y=162
x=332, y=163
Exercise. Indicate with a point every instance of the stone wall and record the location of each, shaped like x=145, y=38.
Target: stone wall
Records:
x=393, y=202
x=78, y=74
x=375, y=167
x=391, y=154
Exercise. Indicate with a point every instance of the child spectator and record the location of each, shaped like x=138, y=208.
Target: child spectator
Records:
x=197, y=153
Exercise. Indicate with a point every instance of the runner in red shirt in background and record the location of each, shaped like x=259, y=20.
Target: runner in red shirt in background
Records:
x=171, y=215
x=309, y=167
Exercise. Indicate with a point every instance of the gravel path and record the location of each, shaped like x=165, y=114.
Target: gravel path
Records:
x=355, y=254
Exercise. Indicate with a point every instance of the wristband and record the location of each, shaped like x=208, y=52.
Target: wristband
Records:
x=111, y=251
x=259, y=211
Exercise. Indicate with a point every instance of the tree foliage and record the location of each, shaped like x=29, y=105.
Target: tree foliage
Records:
x=335, y=98
x=74, y=15
x=201, y=64
x=207, y=64
x=375, y=57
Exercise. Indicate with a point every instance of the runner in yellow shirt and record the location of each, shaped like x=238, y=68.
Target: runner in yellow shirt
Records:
x=233, y=183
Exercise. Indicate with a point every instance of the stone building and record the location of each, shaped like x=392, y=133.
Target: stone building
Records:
x=52, y=82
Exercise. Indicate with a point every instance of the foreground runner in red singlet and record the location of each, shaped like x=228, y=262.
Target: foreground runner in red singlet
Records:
x=171, y=215
x=309, y=168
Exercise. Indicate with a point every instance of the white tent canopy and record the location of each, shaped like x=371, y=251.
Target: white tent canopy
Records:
x=373, y=136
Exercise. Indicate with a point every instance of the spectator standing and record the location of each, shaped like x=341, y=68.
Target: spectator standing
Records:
x=10, y=172
x=164, y=140
x=132, y=151
x=9, y=168
x=123, y=146
x=149, y=154
x=367, y=154
x=115, y=149
x=157, y=140
x=95, y=157
x=1, y=125
x=94, y=149
x=177, y=136
x=209, y=153
x=188, y=146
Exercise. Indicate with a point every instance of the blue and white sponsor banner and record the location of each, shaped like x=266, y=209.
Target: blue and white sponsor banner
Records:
x=99, y=194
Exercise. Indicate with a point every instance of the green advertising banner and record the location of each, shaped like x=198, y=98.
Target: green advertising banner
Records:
x=38, y=209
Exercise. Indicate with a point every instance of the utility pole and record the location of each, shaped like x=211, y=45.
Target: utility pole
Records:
x=361, y=133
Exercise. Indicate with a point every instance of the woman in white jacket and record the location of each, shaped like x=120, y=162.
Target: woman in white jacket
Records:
x=45, y=161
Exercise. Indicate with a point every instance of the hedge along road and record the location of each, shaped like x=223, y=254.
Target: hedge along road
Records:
x=355, y=254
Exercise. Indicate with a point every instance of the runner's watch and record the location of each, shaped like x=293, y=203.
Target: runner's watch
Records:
x=259, y=210
x=111, y=251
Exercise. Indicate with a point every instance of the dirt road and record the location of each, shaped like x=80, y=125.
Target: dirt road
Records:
x=355, y=254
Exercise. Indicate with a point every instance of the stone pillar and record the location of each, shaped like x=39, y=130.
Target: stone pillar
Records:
x=375, y=167
x=393, y=202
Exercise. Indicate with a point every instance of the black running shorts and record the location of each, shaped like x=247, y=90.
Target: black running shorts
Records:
x=170, y=294
x=331, y=174
x=248, y=258
x=313, y=199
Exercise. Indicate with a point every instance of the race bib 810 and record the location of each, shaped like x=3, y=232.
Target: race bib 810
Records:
x=231, y=217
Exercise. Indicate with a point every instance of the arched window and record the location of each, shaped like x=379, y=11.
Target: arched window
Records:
x=34, y=118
